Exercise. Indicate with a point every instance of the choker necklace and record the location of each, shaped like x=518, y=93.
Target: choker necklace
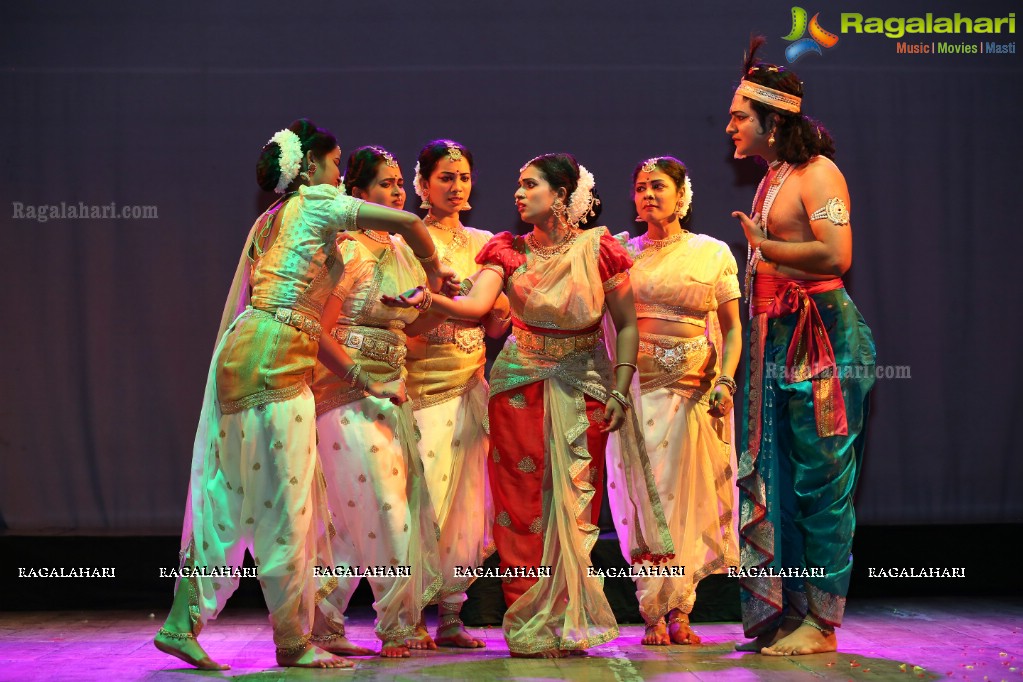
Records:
x=549, y=251
x=431, y=221
x=658, y=244
x=379, y=237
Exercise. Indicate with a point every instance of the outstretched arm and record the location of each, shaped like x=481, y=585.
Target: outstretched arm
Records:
x=414, y=232
x=472, y=306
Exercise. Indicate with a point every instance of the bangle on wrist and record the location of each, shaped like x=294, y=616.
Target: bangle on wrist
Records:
x=426, y=260
x=621, y=398
x=625, y=364
x=352, y=375
x=726, y=381
x=427, y=301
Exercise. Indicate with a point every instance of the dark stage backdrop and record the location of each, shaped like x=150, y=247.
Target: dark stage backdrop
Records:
x=108, y=324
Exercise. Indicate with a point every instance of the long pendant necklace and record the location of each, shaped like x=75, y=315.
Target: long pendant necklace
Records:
x=753, y=257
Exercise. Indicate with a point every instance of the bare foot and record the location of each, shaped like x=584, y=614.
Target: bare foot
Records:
x=421, y=641
x=804, y=640
x=656, y=634
x=679, y=630
x=311, y=657
x=188, y=650
x=342, y=646
x=768, y=638
x=456, y=635
x=394, y=649
x=546, y=653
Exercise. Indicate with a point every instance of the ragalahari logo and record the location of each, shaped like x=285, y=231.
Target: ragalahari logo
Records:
x=817, y=39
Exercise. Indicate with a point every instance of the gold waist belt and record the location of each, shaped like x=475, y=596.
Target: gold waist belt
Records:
x=670, y=351
x=293, y=318
x=377, y=344
x=466, y=339
x=556, y=346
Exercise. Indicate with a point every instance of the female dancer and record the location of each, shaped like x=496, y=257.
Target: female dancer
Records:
x=367, y=444
x=551, y=409
x=255, y=481
x=683, y=284
x=449, y=393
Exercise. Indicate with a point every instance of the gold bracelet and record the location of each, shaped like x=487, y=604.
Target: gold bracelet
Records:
x=425, y=304
x=426, y=259
x=625, y=364
x=352, y=375
x=620, y=397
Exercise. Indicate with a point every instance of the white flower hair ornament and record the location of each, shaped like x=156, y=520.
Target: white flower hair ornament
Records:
x=417, y=184
x=341, y=186
x=582, y=201
x=290, y=158
x=687, y=198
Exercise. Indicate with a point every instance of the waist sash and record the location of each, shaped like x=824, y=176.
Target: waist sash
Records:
x=810, y=355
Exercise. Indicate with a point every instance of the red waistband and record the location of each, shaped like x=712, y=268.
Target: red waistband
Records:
x=778, y=295
x=516, y=322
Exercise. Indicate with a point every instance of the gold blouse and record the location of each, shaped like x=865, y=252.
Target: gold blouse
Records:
x=369, y=331
x=682, y=281
x=448, y=360
x=263, y=359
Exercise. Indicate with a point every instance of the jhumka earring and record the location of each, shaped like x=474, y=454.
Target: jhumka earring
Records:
x=770, y=140
x=560, y=210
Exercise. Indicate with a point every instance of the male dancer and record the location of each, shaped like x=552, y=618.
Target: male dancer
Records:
x=805, y=410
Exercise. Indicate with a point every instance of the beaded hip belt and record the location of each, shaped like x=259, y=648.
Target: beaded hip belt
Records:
x=556, y=346
x=377, y=344
x=293, y=318
x=466, y=339
x=670, y=351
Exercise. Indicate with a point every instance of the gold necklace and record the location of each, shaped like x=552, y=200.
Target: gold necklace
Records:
x=433, y=222
x=459, y=237
x=550, y=251
x=658, y=244
x=378, y=237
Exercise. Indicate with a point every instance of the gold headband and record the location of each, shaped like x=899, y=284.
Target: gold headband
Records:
x=770, y=96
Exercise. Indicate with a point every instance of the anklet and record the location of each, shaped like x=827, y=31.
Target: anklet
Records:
x=180, y=636
x=449, y=619
x=681, y=618
x=289, y=651
x=812, y=623
x=329, y=637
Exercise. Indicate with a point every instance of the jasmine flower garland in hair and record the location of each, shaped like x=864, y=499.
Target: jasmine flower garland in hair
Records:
x=290, y=159
x=581, y=201
x=687, y=198
x=417, y=184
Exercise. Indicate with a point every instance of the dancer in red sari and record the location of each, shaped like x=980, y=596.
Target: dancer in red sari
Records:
x=555, y=396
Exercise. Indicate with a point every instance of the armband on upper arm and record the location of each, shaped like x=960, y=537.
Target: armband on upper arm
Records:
x=835, y=210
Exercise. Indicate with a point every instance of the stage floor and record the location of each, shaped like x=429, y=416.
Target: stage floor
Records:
x=883, y=639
